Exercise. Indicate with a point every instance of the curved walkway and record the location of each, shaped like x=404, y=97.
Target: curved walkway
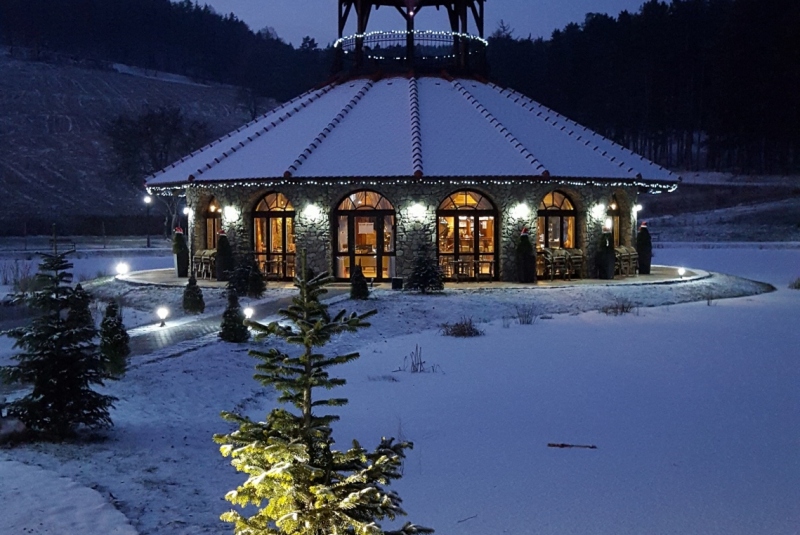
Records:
x=55, y=505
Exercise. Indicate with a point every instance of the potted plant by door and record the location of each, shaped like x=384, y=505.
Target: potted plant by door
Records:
x=526, y=259
x=605, y=256
x=644, y=247
x=180, y=253
x=225, y=263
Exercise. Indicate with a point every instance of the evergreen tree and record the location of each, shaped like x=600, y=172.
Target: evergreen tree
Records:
x=114, y=341
x=310, y=488
x=426, y=275
x=193, y=302
x=224, y=259
x=60, y=359
x=247, y=279
x=358, y=284
x=233, y=328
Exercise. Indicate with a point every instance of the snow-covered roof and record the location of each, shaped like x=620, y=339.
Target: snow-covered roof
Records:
x=401, y=127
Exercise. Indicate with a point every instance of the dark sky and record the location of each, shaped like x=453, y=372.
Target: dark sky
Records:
x=293, y=19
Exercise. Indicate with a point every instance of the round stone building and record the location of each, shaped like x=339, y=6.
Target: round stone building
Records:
x=364, y=170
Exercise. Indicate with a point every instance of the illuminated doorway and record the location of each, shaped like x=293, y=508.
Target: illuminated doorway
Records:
x=364, y=231
x=556, y=224
x=213, y=218
x=467, y=236
x=273, y=236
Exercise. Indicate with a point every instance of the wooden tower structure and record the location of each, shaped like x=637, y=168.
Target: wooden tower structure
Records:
x=467, y=54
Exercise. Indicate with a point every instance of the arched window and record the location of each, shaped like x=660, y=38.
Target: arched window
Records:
x=613, y=214
x=556, y=223
x=364, y=230
x=213, y=217
x=273, y=236
x=467, y=236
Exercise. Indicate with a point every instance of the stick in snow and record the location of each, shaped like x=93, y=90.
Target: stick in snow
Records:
x=554, y=445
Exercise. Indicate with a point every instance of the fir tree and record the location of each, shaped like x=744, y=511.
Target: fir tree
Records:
x=224, y=259
x=247, y=279
x=193, y=302
x=309, y=488
x=358, y=284
x=426, y=275
x=60, y=359
x=233, y=328
x=114, y=341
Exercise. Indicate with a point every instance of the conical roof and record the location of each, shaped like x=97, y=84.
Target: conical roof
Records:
x=418, y=126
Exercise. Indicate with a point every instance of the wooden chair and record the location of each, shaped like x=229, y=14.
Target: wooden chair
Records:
x=555, y=261
x=622, y=261
x=575, y=260
x=633, y=259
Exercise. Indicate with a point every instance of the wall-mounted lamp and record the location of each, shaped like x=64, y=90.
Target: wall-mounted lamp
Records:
x=520, y=211
x=231, y=213
x=417, y=212
x=598, y=210
x=312, y=212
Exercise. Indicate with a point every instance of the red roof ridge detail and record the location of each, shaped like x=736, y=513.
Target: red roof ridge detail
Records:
x=416, y=130
x=306, y=98
x=501, y=128
x=327, y=130
x=512, y=93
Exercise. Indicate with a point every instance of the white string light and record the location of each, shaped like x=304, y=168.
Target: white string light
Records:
x=405, y=33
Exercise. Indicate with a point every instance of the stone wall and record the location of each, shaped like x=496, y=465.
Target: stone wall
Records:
x=415, y=202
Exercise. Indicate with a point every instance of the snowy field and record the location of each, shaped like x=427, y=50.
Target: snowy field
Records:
x=693, y=408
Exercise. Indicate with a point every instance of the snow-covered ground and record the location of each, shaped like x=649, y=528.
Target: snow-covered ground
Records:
x=693, y=409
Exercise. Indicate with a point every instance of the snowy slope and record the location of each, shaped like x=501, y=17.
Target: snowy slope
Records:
x=693, y=409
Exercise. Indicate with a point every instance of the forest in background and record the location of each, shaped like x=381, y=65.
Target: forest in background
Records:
x=690, y=84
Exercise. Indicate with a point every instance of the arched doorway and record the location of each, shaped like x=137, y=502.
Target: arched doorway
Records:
x=273, y=236
x=364, y=231
x=213, y=217
x=613, y=214
x=556, y=222
x=467, y=236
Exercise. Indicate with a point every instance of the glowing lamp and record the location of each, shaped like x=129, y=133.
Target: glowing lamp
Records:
x=520, y=211
x=248, y=312
x=608, y=225
x=187, y=210
x=681, y=271
x=162, y=313
x=598, y=210
x=148, y=199
x=231, y=213
x=312, y=212
x=122, y=268
x=638, y=207
x=417, y=212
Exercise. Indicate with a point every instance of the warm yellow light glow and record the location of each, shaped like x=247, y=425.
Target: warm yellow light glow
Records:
x=608, y=224
x=248, y=312
x=212, y=208
x=520, y=211
x=122, y=268
x=613, y=206
x=417, y=212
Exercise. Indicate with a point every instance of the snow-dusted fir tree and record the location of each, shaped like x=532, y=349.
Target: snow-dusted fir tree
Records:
x=60, y=360
x=426, y=275
x=193, y=302
x=114, y=341
x=358, y=284
x=299, y=484
x=233, y=328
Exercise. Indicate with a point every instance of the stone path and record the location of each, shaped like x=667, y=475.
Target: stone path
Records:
x=172, y=334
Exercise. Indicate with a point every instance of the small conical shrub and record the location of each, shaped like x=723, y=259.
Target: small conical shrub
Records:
x=358, y=284
x=193, y=302
x=233, y=328
x=181, y=252
x=644, y=248
x=114, y=341
x=247, y=279
x=426, y=275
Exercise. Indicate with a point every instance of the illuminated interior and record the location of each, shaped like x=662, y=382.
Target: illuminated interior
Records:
x=273, y=236
x=365, y=233
x=556, y=222
x=466, y=234
x=213, y=217
x=613, y=213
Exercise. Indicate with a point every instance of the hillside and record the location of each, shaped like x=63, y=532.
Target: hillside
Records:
x=54, y=159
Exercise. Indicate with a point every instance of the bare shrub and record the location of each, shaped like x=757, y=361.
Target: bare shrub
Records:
x=620, y=306
x=795, y=284
x=413, y=363
x=463, y=328
x=526, y=314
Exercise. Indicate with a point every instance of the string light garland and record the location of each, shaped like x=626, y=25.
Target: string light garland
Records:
x=395, y=34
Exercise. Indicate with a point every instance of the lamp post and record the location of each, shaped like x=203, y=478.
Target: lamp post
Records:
x=147, y=200
x=162, y=312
